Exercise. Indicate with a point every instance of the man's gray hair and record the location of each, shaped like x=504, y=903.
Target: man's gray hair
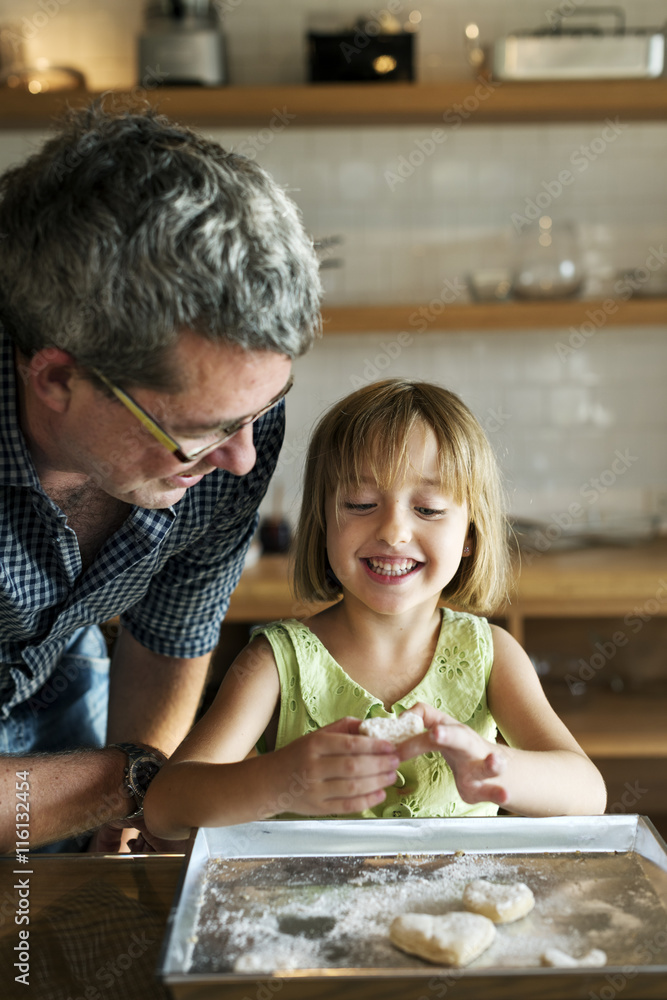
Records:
x=126, y=229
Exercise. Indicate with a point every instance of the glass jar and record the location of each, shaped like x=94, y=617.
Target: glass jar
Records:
x=547, y=265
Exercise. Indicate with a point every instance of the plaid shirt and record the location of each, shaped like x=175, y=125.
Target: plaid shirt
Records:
x=168, y=573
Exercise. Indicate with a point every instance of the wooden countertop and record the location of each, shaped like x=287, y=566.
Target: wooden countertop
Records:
x=97, y=924
x=604, y=581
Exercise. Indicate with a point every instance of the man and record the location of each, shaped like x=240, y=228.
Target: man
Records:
x=153, y=292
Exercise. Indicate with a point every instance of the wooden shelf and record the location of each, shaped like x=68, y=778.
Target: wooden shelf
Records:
x=587, y=582
x=263, y=593
x=613, y=726
x=590, y=582
x=450, y=102
x=415, y=318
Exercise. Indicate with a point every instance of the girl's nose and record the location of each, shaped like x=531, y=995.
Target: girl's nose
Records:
x=394, y=527
x=237, y=455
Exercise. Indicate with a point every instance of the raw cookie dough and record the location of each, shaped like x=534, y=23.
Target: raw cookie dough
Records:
x=395, y=730
x=450, y=939
x=498, y=901
x=560, y=959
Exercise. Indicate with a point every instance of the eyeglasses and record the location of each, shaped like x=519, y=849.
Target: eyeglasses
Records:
x=161, y=435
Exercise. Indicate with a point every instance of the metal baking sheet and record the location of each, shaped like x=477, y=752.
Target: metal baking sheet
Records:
x=304, y=907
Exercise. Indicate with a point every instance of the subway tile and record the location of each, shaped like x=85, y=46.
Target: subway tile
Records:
x=569, y=406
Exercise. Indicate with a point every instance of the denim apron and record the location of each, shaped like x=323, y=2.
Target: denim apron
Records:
x=69, y=711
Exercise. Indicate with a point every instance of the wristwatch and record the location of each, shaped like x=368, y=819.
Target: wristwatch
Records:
x=142, y=766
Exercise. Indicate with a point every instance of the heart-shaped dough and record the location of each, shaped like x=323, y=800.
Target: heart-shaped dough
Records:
x=449, y=939
x=499, y=901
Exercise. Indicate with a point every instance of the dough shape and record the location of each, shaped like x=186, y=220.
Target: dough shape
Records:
x=560, y=959
x=450, y=939
x=395, y=730
x=500, y=902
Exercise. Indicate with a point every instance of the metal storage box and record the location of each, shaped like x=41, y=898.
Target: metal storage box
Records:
x=579, y=57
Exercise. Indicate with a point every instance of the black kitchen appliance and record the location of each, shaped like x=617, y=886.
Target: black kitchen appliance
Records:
x=365, y=51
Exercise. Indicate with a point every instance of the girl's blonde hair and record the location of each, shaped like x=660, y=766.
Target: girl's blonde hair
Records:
x=369, y=430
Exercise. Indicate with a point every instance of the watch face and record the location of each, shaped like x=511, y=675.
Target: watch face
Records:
x=141, y=772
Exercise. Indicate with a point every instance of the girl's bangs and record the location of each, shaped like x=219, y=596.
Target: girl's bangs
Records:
x=381, y=451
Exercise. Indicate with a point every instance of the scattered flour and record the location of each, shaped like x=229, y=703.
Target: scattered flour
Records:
x=264, y=915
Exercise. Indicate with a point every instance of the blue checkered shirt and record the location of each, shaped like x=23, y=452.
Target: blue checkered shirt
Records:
x=168, y=573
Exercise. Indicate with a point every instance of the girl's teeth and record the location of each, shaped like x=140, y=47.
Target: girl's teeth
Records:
x=393, y=568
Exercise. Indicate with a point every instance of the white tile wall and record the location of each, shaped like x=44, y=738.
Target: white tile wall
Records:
x=556, y=421
x=556, y=415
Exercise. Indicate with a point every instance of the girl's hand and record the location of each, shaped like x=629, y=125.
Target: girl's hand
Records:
x=475, y=763
x=333, y=770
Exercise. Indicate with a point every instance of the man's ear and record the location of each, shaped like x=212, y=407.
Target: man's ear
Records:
x=49, y=375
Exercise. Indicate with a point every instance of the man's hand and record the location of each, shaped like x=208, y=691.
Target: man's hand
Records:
x=132, y=837
x=475, y=763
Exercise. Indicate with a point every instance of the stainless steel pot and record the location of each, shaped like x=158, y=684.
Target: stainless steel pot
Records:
x=570, y=50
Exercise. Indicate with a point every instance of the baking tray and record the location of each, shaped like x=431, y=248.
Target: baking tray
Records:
x=300, y=909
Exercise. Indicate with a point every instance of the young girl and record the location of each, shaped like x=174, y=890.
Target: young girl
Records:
x=401, y=512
